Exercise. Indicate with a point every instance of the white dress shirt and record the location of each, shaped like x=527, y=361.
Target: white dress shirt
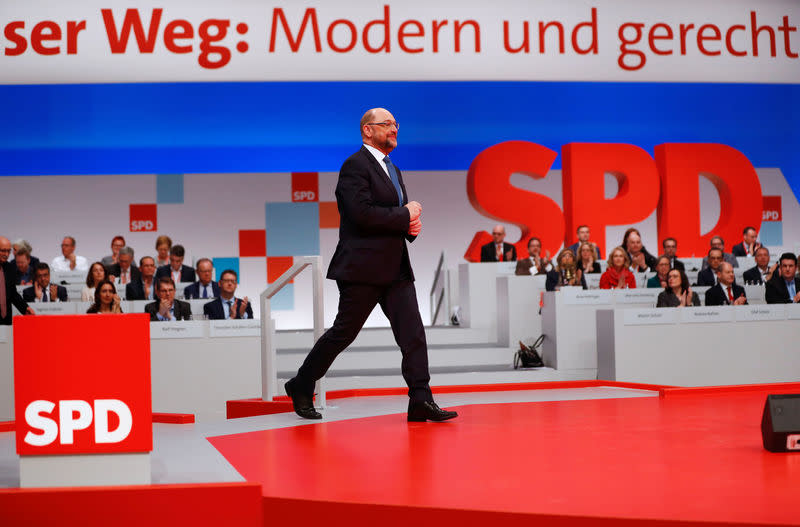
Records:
x=379, y=156
x=61, y=264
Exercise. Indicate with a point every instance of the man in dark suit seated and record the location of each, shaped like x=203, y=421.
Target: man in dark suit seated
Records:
x=726, y=292
x=761, y=272
x=145, y=287
x=228, y=306
x=42, y=290
x=205, y=287
x=784, y=287
x=166, y=308
x=497, y=250
x=748, y=246
x=708, y=276
x=718, y=243
x=124, y=270
x=8, y=292
x=670, y=246
x=175, y=268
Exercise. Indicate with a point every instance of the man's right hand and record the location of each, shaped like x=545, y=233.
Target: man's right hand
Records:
x=163, y=309
x=415, y=227
x=414, y=209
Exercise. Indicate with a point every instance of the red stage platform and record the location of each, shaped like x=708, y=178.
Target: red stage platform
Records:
x=688, y=457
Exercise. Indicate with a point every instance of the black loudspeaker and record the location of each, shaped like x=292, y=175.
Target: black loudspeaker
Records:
x=780, y=423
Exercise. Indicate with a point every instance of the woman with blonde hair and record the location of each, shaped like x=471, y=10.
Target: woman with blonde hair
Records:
x=587, y=253
x=617, y=275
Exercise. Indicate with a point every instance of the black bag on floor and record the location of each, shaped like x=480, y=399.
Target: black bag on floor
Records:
x=528, y=356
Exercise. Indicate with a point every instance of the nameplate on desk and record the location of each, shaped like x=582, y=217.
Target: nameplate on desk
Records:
x=3, y=333
x=636, y=296
x=70, y=277
x=646, y=317
x=180, y=329
x=693, y=315
x=54, y=308
x=577, y=295
x=234, y=328
x=792, y=311
x=752, y=313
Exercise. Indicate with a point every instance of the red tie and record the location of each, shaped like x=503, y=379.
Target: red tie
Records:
x=499, y=253
x=730, y=295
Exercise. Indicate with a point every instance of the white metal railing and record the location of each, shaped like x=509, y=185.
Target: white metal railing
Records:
x=269, y=372
x=440, y=293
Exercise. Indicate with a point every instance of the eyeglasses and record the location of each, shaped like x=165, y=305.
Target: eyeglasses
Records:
x=5, y=250
x=388, y=124
x=227, y=280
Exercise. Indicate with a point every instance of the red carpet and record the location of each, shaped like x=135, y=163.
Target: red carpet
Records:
x=688, y=458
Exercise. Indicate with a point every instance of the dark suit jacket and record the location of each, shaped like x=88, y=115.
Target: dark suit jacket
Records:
x=181, y=310
x=738, y=249
x=717, y=296
x=187, y=273
x=488, y=253
x=776, y=291
x=136, y=274
x=31, y=269
x=135, y=289
x=524, y=267
x=677, y=264
x=29, y=294
x=668, y=298
x=216, y=310
x=193, y=290
x=12, y=296
x=726, y=257
x=373, y=227
x=752, y=276
x=706, y=277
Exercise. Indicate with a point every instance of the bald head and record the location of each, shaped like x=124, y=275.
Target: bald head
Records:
x=499, y=233
x=5, y=249
x=379, y=129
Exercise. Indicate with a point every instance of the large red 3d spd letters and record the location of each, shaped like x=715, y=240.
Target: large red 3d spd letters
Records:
x=668, y=184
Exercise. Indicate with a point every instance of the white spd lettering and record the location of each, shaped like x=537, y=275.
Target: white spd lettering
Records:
x=304, y=195
x=76, y=415
x=141, y=225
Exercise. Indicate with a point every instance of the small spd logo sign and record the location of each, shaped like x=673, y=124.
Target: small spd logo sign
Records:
x=144, y=217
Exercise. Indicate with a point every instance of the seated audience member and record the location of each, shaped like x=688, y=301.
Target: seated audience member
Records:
x=497, y=250
x=227, y=305
x=205, y=287
x=534, y=263
x=69, y=261
x=19, y=244
x=641, y=260
x=163, y=246
x=618, y=275
x=677, y=292
x=784, y=286
x=718, y=243
x=22, y=263
x=9, y=296
x=708, y=276
x=662, y=268
x=583, y=233
x=106, y=299
x=748, y=246
x=124, y=270
x=670, y=246
x=166, y=308
x=143, y=288
x=761, y=272
x=566, y=273
x=117, y=243
x=97, y=273
x=176, y=270
x=587, y=258
x=726, y=292
x=42, y=290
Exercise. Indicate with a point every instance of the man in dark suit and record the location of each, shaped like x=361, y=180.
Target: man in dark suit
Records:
x=205, y=287
x=144, y=288
x=726, y=292
x=8, y=291
x=175, y=268
x=227, y=305
x=670, y=246
x=124, y=270
x=784, y=287
x=166, y=308
x=371, y=266
x=708, y=276
x=748, y=246
x=761, y=272
x=497, y=250
x=42, y=290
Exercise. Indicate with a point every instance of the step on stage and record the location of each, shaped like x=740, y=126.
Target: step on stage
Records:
x=607, y=454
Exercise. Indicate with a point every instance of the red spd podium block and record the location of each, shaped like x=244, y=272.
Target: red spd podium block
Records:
x=82, y=388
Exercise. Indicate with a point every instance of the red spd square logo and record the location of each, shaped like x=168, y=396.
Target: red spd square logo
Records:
x=305, y=186
x=82, y=384
x=144, y=217
x=772, y=210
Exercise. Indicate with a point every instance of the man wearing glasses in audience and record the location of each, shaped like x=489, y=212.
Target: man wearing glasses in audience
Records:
x=145, y=287
x=42, y=290
x=228, y=306
x=497, y=250
x=166, y=308
x=69, y=261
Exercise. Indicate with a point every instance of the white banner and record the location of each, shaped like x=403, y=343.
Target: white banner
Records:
x=93, y=41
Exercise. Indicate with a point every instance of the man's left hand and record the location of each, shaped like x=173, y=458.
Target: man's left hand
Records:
x=415, y=227
x=243, y=306
x=740, y=301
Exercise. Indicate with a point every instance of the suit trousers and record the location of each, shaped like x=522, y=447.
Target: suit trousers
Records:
x=398, y=300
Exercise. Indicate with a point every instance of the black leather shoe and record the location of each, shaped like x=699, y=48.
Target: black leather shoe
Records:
x=303, y=405
x=428, y=411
